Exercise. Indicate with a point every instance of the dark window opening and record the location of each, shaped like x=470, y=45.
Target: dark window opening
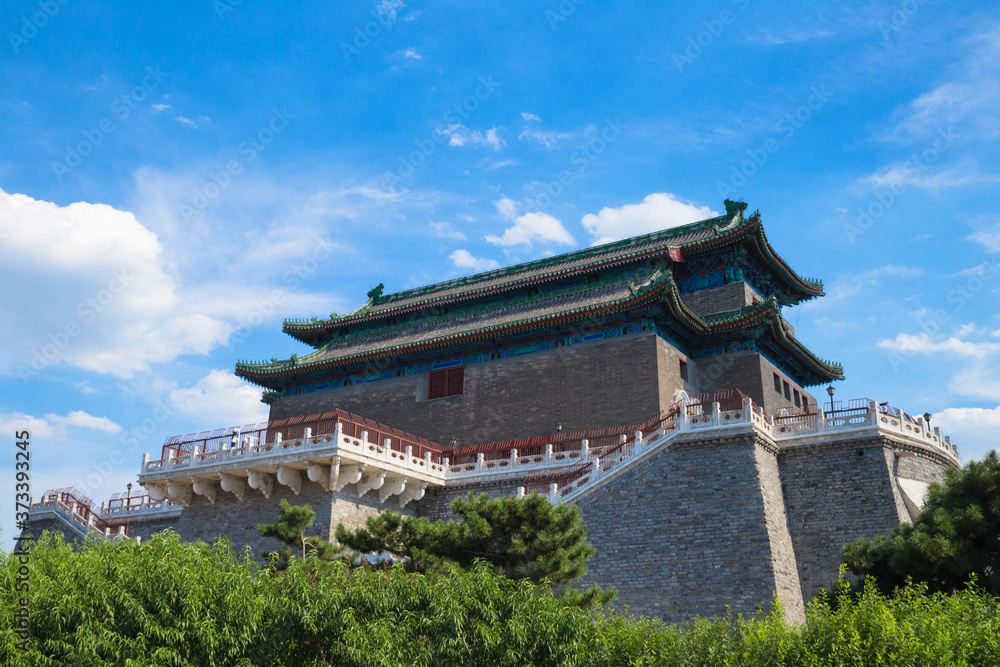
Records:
x=446, y=383
x=798, y=400
x=805, y=403
x=684, y=371
x=777, y=383
x=788, y=393
x=494, y=355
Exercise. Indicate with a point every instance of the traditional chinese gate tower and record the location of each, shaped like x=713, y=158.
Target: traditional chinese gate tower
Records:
x=595, y=338
x=653, y=382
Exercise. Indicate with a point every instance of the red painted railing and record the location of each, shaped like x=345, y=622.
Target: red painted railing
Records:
x=293, y=428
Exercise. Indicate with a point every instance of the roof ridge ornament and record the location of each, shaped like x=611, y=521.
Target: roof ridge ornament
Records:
x=735, y=208
x=375, y=294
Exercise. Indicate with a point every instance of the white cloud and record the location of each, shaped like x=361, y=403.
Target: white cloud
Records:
x=972, y=430
x=220, y=399
x=924, y=344
x=464, y=259
x=445, y=230
x=528, y=228
x=83, y=420
x=657, y=211
x=84, y=387
x=969, y=100
x=410, y=54
x=987, y=233
x=530, y=116
x=91, y=288
x=388, y=9
x=460, y=135
x=187, y=122
x=157, y=108
x=550, y=138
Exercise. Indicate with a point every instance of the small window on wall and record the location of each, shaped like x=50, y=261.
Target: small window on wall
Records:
x=798, y=400
x=805, y=403
x=788, y=393
x=446, y=383
x=777, y=383
x=684, y=370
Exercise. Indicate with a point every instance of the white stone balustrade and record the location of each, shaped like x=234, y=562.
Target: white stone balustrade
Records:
x=336, y=460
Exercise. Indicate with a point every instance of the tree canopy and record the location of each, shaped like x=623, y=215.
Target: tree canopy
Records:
x=955, y=537
x=290, y=528
x=523, y=538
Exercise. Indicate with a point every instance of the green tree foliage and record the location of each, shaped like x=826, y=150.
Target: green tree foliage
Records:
x=293, y=521
x=956, y=536
x=170, y=603
x=524, y=539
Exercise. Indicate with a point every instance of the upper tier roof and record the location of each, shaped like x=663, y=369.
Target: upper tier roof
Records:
x=675, y=244
x=540, y=312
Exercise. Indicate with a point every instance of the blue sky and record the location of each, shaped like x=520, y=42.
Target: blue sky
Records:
x=176, y=180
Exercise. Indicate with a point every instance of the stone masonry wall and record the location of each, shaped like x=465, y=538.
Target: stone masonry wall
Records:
x=722, y=299
x=238, y=520
x=590, y=385
x=754, y=376
x=835, y=493
x=691, y=531
x=436, y=503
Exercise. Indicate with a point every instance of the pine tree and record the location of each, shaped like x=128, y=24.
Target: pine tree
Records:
x=293, y=521
x=525, y=538
x=955, y=536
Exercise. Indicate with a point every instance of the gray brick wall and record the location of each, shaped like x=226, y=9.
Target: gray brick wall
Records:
x=720, y=299
x=754, y=376
x=834, y=495
x=238, y=520
x=687, y=532
x=589, y=385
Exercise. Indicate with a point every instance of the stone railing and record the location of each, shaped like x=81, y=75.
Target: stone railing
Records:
x=868, y=415
x=108, y=523
x=251, y=453
x=584, y=463
x=588, y=473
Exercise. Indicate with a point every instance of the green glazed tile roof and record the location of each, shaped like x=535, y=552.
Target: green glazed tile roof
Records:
x=694, y=238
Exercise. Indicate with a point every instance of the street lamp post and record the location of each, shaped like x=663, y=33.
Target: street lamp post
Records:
x=830, y=391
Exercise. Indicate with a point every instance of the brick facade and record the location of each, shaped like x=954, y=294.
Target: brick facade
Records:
x=590, y=385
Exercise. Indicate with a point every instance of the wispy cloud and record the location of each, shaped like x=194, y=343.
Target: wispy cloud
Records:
x=83, y=420
x=460, y=135
x=410, y=55
x=157, y=108
x=445, y=230
x=464, y=259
